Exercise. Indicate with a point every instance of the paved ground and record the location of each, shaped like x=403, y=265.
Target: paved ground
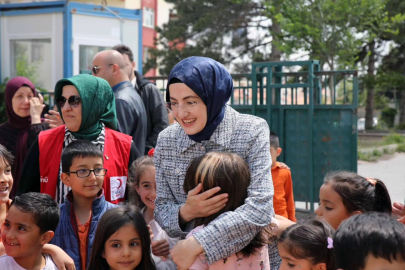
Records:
x=391, y=170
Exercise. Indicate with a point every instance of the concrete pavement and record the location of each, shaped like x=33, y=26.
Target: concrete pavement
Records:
x=391, y=170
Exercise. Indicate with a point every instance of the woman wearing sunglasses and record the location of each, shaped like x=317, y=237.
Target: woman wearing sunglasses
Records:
x=87, y=106
x=198, y=91
x=23, y=107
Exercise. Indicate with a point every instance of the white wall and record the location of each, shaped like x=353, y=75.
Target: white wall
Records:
x=107, y=33
x=41, y=26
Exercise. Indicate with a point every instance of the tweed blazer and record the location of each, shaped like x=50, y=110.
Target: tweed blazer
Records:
x=244, y=135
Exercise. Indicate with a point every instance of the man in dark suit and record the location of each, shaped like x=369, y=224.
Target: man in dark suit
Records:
x=156, y=112
x=131, y=115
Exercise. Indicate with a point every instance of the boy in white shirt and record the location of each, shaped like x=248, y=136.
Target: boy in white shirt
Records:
x=29, y=225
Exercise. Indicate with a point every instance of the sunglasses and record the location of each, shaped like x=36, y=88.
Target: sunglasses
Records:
x=95, y=68
x=73, y=101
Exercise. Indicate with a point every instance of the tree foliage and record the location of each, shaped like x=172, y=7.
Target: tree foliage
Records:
x=332, y=31
x=219, y=29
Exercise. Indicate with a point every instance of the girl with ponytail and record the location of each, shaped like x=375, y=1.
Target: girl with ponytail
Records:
x=344, y=194
x=307, y=246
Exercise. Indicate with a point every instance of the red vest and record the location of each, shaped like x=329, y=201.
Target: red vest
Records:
x=117, y=147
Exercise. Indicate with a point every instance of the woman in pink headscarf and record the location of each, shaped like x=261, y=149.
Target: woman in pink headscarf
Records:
x=24, y=107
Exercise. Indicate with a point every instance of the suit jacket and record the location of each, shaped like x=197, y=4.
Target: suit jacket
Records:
x=155, y=107
x=131, y=114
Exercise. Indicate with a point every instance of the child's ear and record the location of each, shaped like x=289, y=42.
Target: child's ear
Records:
x=65, y=179
x=320, y=266
x=103, y=254
x=46, y=237
x=356, y=213
x=137, y=189
x=279, y=150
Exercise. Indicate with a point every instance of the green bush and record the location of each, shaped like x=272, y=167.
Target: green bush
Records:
x=394, y=138
x=363, y=156
x=401, y=148
x=388, y=116
x=377, y=153
x=401, y=126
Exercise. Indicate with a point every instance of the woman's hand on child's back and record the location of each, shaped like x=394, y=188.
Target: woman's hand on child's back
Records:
x=185, y=252
x=202, y=204
x=160, y=247
x=398, y=209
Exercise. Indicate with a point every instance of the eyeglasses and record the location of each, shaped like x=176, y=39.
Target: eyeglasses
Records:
x=73, y=101
x=83, y=173
x=95, y=68
x=174, y=106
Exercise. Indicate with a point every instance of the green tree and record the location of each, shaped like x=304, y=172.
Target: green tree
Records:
x=213, y=28
x=339, y=33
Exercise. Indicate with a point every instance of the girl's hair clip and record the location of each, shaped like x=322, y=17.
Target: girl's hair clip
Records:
x=371, y=180
x=330, y=243
x=151, y=152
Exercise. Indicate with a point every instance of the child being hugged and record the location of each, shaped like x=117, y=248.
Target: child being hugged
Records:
x=29, y=225
x=371, y=241
x=231, y=173
x=143, y=194
x=122, y=241
x=307, y=246
x=83, y=172
x=344, y=194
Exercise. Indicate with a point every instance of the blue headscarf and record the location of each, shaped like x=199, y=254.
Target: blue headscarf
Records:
x=211, y=82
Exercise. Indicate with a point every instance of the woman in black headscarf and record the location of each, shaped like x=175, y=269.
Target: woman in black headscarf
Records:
x=197, y=93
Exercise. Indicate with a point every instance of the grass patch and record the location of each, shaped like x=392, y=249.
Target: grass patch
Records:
x=394, y=138
x=375, y=154
x=401, y=148
x=363, y=156
x=367, y=143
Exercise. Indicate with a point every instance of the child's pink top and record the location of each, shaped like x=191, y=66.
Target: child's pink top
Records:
x=257, y=261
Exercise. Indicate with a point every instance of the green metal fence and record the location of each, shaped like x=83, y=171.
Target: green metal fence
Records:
x=314, y=113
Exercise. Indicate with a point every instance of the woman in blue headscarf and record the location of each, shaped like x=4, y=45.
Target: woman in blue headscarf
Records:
x=197, y=93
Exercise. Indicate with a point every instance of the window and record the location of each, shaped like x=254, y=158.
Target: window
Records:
x=86, y=55
x=148, y=17
x=31, y=58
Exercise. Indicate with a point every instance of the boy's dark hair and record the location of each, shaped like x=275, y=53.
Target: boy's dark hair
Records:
x=358, y=194
x=123, y=49
x=371, y=233
x=8, y=158
x=309, y=240
x=232, y=174
x=274, y=141
x=135, y=171
x=43, y=209
x=81, y=149
x=110, y=223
